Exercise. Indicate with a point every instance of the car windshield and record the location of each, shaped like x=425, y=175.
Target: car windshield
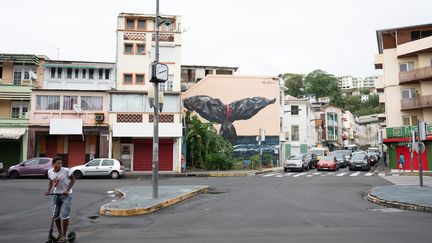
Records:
x=296, y=157
x=358, y=156
x=319, y=152
x=337, y=155
x=327, y=158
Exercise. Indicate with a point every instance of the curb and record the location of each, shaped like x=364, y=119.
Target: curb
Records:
x=396, y=204
x=103, y=210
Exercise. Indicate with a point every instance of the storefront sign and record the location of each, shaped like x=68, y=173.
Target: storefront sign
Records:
x=405, y=131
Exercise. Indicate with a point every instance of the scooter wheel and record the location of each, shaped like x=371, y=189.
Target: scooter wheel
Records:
x=71, y=236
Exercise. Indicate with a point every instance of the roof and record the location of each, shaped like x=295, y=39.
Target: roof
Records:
x=209, y=66
x=19, y=58
x=79, y=64
x=379, y=33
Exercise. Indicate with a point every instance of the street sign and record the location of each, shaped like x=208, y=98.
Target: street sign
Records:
x=419, y=147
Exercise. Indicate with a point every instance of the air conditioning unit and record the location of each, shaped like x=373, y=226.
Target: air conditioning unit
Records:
x=99, y=117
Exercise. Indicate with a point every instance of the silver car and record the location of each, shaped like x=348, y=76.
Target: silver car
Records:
x=297, y=162
x=99, y=167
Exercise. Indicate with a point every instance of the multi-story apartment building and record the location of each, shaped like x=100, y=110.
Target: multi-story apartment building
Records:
x=19, y=74
x=350, y=82
x=131, y=117
x=191, y=74
x=298, y=126
x=369, y=131
x=69, y=114
x=331, y=117
x=405, y=56
x=349, y=130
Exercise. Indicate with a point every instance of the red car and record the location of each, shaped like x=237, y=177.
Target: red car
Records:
x=327, y=163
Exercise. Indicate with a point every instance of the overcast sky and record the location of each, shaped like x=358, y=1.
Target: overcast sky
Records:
x=260, y=37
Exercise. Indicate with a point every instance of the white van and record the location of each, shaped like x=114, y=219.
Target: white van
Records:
x=318, y=151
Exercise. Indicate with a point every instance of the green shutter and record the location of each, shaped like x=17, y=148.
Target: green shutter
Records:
x=287, y=151
x=303, y=148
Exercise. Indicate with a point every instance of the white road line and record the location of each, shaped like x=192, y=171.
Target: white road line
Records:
x=368, y=174
x=309, y=175
x=330, y=173
x=297, y=175
x=317, y=173
x=341, y=174
x=268, y=175
x=288, y=174
x=381, y=174
x=355, y=174
x=280, y=175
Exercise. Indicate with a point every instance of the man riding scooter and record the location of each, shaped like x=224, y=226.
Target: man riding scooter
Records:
x=62, y=180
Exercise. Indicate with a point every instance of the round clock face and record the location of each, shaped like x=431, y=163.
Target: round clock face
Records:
x=162, y=72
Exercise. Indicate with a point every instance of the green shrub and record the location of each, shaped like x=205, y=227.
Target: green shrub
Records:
x=218, y=161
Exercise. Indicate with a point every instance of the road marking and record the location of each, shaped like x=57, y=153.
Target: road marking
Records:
x=317, y=173
x=288, y=174
x=299, y=174
x=381, y=174
x=330, y=173
x=271, y=174
x=280, y=175
x=109, y=192
x=368, y=174
x=309, y=175
x=355, y=174
x=341, y=174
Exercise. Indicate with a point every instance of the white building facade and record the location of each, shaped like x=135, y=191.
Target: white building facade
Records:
x=131, y=117
x=298, y=126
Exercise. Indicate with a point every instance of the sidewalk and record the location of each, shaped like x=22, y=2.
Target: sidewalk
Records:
x=230, y=173
x=402, y=197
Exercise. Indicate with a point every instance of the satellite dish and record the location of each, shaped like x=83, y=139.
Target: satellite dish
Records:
x=33, y=76
x=77, y=108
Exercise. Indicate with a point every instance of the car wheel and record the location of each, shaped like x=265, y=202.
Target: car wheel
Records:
x=14, y=174
x=285, y=170
x=78, y=174
x=114, y=175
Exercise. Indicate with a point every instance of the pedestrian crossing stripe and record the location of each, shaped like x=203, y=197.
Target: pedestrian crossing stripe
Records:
x=305, y=174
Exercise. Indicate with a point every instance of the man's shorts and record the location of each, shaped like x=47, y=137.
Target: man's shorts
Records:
x=61, y=206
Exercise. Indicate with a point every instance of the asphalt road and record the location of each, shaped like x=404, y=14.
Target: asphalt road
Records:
x=322, y=208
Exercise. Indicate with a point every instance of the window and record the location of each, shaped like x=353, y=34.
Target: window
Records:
x=69, y=101
x=410, y=120
x=26, y=75
x=91, y=73
x=19, y=108
x=76, y=73
x=140, y=49
x=107, y=162
x=15, y=112
x=95, y=162
x=141, y=24
x=84, y=72
x=406, y=66
x=295, y=136
x=59, y=72
x=17, y=78
x=101, y=73
x=94, y=103
x=1, y=72
x=107, y=74
x=43, y=161
x=127, y=78
x=130, y=24
x=47, y=102
x=53, y=72
x=139, y=79
x=69, y=73
x=127, y=102
x=408, y=93
x=128, y=48
x=294, y=110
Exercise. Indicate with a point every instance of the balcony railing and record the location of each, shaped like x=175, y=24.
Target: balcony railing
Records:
x=424, y=101
x=415, y=75
x=14, y=116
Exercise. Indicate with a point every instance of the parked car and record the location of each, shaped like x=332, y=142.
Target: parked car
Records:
x=339, y=159
x=38, y=166
x=327, y=163
x=1, y=167
x=99, y=167
x=347, y=155
x=297, y=162
x=374, y=155
x=360, y=161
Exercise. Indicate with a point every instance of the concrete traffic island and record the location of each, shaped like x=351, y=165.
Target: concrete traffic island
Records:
x=403, y=197
x=137, y=200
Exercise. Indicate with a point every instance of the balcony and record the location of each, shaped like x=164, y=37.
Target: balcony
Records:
x=379, y=82
x=414, y=76
x=381, y=99
x=412, y=48
x=13, y=119
x=378, y=61
x=421, y=102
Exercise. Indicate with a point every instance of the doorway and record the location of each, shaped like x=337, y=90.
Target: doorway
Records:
x=126, y=151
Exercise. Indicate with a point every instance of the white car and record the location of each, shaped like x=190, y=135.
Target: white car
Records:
x=297, y=162
x=99, y=167
x=1, y=167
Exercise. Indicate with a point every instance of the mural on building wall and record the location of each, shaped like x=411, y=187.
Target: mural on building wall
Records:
x=214, y=110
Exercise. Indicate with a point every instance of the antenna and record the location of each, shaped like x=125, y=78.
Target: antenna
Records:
x=77, y=108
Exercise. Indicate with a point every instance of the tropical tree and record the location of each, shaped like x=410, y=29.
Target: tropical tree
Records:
x=294, y=84
x=321, y=84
